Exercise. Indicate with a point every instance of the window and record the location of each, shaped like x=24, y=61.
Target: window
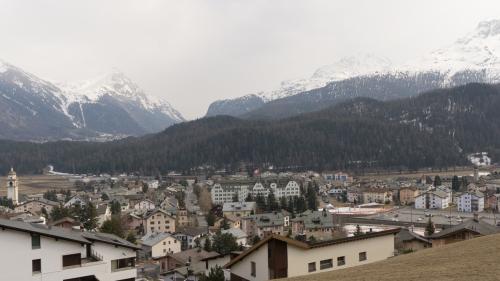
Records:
x=324, y=264
x=311, y=267
x=362, y=256
x=122, y=264
x=36, y=266
x=253, y=269
x=341, y=261
x=72, y=260
x=35, y=241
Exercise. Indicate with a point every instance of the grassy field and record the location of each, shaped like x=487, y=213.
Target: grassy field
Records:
x=33, y=184
x=475, y=259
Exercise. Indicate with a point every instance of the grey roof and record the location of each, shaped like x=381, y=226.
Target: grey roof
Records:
x=407, y=235
x=155, y=238
x=192, y=231
x=41, y=200
x=267, y=219
x=238, y=206
x=66, y=234
x=315, y=219
x=44, y=230
x=195, y=254
x=109, y=239
x=475, y=225
x=236, y=232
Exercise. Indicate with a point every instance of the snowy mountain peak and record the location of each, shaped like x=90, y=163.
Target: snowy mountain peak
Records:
x=488, y=28
x=348, y=67
x=345, y=68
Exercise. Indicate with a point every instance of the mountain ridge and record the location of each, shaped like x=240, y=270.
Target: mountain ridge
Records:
x=114, y=107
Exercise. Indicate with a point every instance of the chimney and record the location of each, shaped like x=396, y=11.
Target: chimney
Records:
x=476, y=217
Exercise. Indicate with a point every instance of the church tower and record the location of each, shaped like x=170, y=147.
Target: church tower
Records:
x=12, y=187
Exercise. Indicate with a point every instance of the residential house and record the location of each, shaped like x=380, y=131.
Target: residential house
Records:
x=155, y=245
x=239, y=209
x=376, y=195
x=218, y=261
x=471, y=202
x=354, y=195
x=188, y=236
x=182, y=218
x=409, y=241
x=407, y=195
x=191, y=260
x=37, y=252
x=262, y=225
x=76, y=200
x=36, y=206
x=144, y=205
x=240, y=235
x=67, y=223
x=433, y=199
x=468, y=229
x=317, y=224
x=158, y=221
x=281, y=257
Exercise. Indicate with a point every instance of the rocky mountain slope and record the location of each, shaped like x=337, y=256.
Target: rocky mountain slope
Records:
x=106, y=108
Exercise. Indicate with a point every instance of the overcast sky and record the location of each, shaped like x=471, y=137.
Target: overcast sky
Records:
x=195, y=52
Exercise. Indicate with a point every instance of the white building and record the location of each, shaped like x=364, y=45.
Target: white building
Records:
x=240, y=235
x=471, y=202
x=36, y=252
x=144, y=205
x=280, y=257
x=225, y=192
x=13, y=187
x=156, y=245
x=434, y=199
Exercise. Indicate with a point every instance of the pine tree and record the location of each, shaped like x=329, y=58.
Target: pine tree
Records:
x=437, y=181
x=249, y=197
x=208, y=244
x=429, y=228
x=215, y=274
x=455, y=183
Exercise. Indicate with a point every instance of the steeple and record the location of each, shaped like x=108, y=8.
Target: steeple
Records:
x=12, y=186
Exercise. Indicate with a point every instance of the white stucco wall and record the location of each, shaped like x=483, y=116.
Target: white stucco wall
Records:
x=17, y=255
x=378, y=248
x=243, y=267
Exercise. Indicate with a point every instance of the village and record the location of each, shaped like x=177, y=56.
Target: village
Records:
x=247, y=226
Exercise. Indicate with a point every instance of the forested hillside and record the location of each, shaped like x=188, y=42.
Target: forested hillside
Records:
x=435, y=129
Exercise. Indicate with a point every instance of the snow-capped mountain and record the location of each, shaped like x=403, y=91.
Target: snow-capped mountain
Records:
x=109, y=107
x=472, y=58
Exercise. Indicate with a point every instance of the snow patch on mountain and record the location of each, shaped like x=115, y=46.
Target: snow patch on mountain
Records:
x=345, y=68
x=117, y=85
x=477, y=51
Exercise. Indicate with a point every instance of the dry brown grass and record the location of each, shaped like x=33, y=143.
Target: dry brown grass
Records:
x=475, y=259
x=35, y=184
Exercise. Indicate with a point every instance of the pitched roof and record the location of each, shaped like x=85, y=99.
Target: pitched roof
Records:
x=475, y=225
x=236, y=232
x=155, y=238
x=109, y=239
x=308, y=245
x=43, y=230
x=65, y=234
x=192, y=231
x=40, y=200
x=407, y=235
